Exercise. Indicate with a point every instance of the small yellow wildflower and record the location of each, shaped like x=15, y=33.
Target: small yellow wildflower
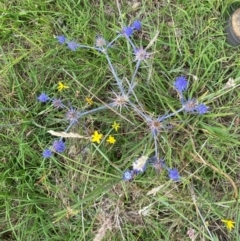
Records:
x=96, y=137
x=111, y=140
x=229, y=224
x=61, y=86
x=115, y=126
x=89, y=100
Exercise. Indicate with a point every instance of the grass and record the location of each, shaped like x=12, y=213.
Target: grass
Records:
x=78, y=195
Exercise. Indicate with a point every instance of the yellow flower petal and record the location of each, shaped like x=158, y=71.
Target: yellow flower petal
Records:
x=96, y=137
x=115, y=126
x=89, y=100
x=111, y=140
x=229, y=224
x=61, y=86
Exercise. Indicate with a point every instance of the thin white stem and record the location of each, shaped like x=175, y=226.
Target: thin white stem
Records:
x=117, y=37
x=133, y=77
x=119, y=82
x=172, y=114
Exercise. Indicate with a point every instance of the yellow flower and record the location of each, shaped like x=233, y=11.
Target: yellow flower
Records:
x=96, y=137
x=111, y=140
x=61, y=86
x=115, y=126
x=89, y=100
x=229, y=224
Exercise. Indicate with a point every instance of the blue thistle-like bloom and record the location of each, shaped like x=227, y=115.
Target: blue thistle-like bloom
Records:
x=137, y=25
x=173, y=174
x=128, y=175
x=72, y=115
x=127, y=31
x=47, y=153
x=157, y=164
x=180, y=84
x=57, y=103
x=100, y=42
x=43, y=97
x=155, y=125
x=61, y=39
x=190, y=105
x=59, y=146
x=141, y=54
x=201, y=109
x=73, y=45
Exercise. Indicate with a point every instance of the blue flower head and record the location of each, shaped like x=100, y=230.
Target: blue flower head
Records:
x=59, y=146
x=173, y=174
x=73, y=45
x=201, y=109
x=47, y=153
x=61, y=39
x=43, y=98
x=128, y=175
x=191, y=105
x=127, y=31
x=137, y=25
x=180, y=84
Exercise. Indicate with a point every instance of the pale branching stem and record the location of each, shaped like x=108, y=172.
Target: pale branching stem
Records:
x=172, y=114
x=70, y=126
x=109, y=45
x=103, y=107
x=133, y=77
x=119, y=82
x=155, y=145
x=131, y=42
x=136, y=109
x=89, y=47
